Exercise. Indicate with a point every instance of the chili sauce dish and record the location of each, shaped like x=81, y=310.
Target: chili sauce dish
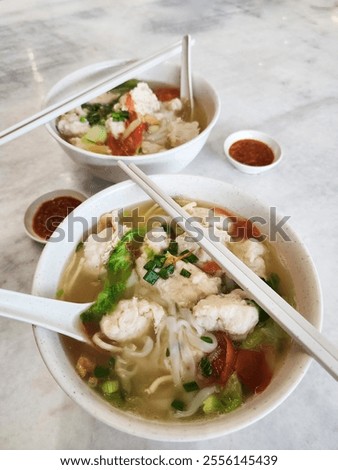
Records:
x=252, y=151
x=45, y=213
x=176, y=350
x=141, y=121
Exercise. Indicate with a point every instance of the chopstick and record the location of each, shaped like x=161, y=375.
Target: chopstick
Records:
x=300, y=329
x=51, y=112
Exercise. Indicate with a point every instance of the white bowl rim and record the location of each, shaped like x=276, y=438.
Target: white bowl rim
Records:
x=160, y=431
x=81, y=73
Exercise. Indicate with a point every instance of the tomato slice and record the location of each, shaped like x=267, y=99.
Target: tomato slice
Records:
x=222, y=359
x=128, y=146
x=130, y=103
x=210, y=267
x=253, y=370
x=240, y=227
x=167, y=94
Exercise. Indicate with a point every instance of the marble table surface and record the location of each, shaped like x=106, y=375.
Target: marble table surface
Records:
x=276, y=69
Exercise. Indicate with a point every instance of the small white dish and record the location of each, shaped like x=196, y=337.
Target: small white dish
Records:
x=253, y=135
x=34, y=206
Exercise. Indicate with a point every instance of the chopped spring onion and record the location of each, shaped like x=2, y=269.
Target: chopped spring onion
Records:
x=59, y=293
x=160, y=260
x=109, y=387
x=185, y=273
x=188, y=257
x=205, y=367
x=173, y=248
x=165, y=272
x=207, y=339
x=101, y=372
x=157, y=262
x=120, y=115
x=150, y=265
x=151, y=277
x=112, y=361
x=191, y=386
x=79, y=247
x=177, y=405
x=83, y=119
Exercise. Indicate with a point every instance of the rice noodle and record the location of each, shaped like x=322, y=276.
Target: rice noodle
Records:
x=150, y=211
x=196, y=402
x=103, y=345
x=174, y=350
x=201, y=345
x=76, y=274
x=189, y=206
x=157, y=382
x=147, y=348
x=188, y=362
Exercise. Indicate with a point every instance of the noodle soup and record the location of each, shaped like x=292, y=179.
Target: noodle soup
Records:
x=174, y=338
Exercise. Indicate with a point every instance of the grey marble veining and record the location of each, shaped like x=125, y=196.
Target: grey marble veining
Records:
x=275, y=67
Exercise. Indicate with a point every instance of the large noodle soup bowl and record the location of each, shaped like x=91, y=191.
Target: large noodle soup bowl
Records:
x=62, y=245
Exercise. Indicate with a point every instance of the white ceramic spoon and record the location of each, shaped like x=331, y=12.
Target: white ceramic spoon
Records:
x=186, y=93
x=56, y=315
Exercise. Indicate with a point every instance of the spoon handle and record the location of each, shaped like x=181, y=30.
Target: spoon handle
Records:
x=56, y=315
x=186, y=93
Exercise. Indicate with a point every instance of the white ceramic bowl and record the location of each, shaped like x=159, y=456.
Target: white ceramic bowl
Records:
x=255, y=135
x=170, y=161
x=57, y=253
x=34, y=206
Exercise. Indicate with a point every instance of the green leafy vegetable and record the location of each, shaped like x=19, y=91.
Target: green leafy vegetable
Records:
x=273, y=281
x=262, y=315
x=266, y=333
x=230, y=398
x=126, y=86
x=119, y=267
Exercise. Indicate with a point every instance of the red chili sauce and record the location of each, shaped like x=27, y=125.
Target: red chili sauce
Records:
x=51, y=213
x=251, y=152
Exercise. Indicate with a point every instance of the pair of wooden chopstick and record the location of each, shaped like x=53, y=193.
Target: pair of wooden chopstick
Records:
x=51, y=112
x=314, y=343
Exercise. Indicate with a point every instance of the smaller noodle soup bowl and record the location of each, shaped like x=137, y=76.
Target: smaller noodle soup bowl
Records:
x=169, y=161
x=292, y=252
